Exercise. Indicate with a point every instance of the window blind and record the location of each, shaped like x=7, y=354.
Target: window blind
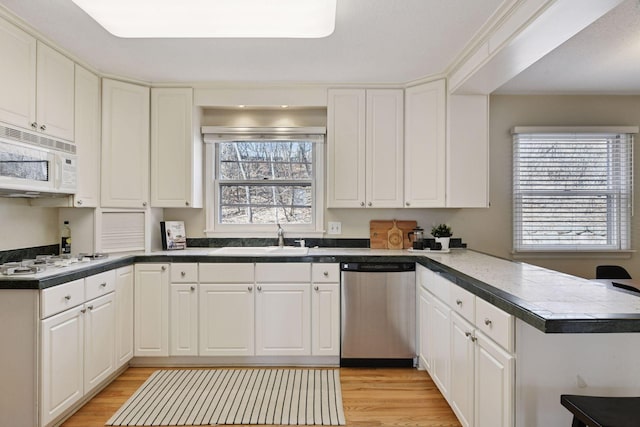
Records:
x=572, y=191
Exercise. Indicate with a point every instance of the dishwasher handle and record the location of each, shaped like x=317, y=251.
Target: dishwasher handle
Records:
x=378, y=267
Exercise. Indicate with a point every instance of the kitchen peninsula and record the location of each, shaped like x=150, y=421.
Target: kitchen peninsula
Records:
x=567, y=334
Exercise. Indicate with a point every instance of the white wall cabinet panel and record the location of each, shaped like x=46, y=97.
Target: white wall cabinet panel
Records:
x=62, y=362
x=87, y=138
x=55, y=93
x=346, y=155
x=425, y=145
x=125, y=145
x=183, y=338
x=17, y=76
x=385, y=148
x=176, y=150
x=124, y=315
x=151, y=309
x=283, y=319
x=226, y=319
x=325, y=319
x=99, y=340
x=468, y=151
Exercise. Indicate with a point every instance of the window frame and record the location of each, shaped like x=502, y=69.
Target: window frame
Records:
x=622, y=230
x=212, y=186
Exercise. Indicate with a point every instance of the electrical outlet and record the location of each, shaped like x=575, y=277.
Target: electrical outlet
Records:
x=335, y=227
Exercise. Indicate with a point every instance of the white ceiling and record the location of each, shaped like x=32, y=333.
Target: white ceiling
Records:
x=375, y=41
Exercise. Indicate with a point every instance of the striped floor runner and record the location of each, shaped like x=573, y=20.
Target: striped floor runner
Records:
x=235, y=396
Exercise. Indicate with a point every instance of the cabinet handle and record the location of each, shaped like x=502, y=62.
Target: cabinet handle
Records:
x=163, y=268
x=90, y=307
x=459, y=302
x=34, y=125
x=361, y=203
x=408, y=204
x=79, y=202
x=316, y=288
x=43, y=127
x=259, y=288
x=84, y=310
x=467, y=334
x=144, y=204
x=103, y=284
x=183, y=273
x=186, y=203
x=325, y=274
x=193, y=288
x=369, y=204
x=487, y=322
x=473, y=339
x=67, y=297
x=250, y=288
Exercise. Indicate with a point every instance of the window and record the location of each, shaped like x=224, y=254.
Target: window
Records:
x=572, y=191
x=259, y=180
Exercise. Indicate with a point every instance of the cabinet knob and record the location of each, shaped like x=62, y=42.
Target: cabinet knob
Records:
x=83, y=311
x=144, y=204
x=183, y=273
x=459, y=302
x=163, y=268
x=34, y=125
x=79, y=202
x=90, y=307
x=193, y=288
x=407, y=203
x=259, y=288
x=67, y=297
x=250, y=288
x=369, y=204
x=325, y=274
x=43, y=127
x=316, y=288
x=361, y=203
x=473, y=339
x=186, y=203
x=487, y=322
x=103, y=284
x=467, y=334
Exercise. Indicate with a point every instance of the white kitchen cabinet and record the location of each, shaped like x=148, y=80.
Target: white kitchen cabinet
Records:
x=325, y=310
x=125, y=145
x=462, y=369
x=17, y=76
x=365, y=129
x=99, y=340
x=468, y=151
x=425, y=310
x=151, y=310
x=183, y=334
x=494, y=384
x=440, y=334
x=124, y=315
x=226, y=319
x=87, y=138
x=176, y=146
x=55, y=93
x=62, y=362
x=425, y=145
x=283, y=319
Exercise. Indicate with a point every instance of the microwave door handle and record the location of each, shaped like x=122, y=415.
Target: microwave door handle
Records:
x=57, y=175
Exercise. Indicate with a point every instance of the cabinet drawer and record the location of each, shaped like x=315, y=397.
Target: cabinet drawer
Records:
x=437, y=285
x=99, y=284
x=59, y=298
x=184, y=273
x=495, y=323
x=463, y=302
x=325, y=273
x=283, y=272
x=226, y=272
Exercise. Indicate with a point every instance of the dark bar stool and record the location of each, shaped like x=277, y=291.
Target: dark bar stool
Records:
x=592, y=411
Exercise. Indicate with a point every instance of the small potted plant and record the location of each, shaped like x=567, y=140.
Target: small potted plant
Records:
x=442, y=234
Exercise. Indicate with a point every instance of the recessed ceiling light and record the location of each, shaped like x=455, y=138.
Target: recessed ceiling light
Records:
x=241, y=106
x=213, y=18
x=284, y=106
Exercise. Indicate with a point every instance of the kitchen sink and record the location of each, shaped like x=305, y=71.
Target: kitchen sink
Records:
x=261, y=251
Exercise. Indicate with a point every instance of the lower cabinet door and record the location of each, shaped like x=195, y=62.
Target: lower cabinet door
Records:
x=226, y=319
x=151, y=310
x=62, y=362
x=183, y=332
x=462, y=369
x=494, y=384
x=325, y=319
x=283, y=319
x=124, y=315
x=425, y=308
x=99, y=340
x=441, y=338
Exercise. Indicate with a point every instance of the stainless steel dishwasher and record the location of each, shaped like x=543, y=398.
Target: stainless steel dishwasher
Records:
x=378, y=314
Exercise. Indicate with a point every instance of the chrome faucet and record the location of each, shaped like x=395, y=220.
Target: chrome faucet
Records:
x=280, y=235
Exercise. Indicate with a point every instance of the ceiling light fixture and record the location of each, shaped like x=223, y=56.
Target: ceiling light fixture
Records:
x=213, y=18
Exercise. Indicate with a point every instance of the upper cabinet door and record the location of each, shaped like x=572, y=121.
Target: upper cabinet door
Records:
x=87, y=138
x=346, y=148
x=384, y=152
x=17, y=76
x=176, y=150
x=55, y=93
x=125, y=145
x=425, y=145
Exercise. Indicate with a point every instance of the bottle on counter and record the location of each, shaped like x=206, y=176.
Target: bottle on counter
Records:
x=65, y=240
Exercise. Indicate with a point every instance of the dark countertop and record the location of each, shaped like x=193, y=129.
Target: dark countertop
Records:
x=550, y=301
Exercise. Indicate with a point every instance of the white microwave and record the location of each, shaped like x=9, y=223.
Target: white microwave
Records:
x=33, y=165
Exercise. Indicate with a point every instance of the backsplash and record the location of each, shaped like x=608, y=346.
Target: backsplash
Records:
x=15, y=255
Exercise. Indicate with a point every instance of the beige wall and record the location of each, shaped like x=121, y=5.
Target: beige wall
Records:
x=23, y=226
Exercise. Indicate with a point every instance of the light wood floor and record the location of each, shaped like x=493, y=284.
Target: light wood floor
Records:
x=371, y=397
